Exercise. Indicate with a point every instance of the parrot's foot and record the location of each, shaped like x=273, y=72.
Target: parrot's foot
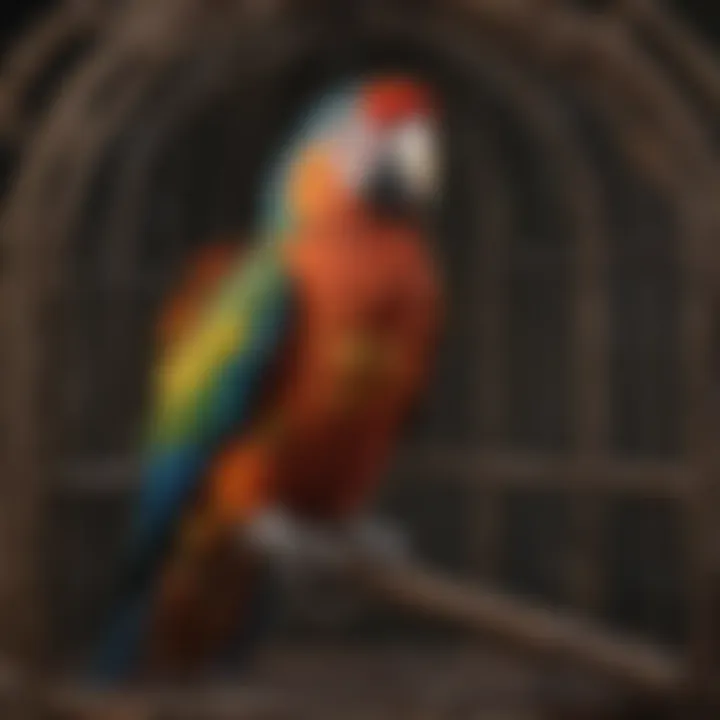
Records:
x=378, y=541
x=328, y=600
x=300, y=548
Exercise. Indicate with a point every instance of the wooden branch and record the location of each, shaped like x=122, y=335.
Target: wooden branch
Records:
x=533, y=634
x=537, y=633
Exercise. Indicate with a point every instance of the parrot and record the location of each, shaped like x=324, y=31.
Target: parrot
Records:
x=286, y=368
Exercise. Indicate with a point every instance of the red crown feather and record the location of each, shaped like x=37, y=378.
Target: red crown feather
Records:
x=391, y=100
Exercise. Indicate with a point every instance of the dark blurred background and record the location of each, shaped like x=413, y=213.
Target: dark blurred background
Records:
x=18, y=16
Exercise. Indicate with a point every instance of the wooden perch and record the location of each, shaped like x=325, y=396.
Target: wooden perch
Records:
x=537, y=632
x=534, y=633
x=524, y=628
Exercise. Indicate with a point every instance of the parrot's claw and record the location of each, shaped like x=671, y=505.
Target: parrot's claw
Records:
x=377, y=540
x=272, y=533
x=303, y=553
x=294, y=545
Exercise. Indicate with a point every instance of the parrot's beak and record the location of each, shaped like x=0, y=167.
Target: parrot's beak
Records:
x=405, y=180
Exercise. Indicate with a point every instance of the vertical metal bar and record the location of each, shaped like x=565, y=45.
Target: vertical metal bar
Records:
x=572, y=175
x=701, y=426
x=698, y=68
x=491, y=229
x=591, y=362
x=571, y=172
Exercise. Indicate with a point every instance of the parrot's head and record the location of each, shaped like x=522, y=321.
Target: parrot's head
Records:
x=371, y=147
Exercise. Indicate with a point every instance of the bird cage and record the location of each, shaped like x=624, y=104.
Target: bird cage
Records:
x=565, y=453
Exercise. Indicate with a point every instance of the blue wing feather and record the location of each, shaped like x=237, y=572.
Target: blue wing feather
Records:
x=174, y=473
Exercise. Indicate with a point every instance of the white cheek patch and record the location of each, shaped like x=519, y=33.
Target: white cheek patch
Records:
x=415, y=146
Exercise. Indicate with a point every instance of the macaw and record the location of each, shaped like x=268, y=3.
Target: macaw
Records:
x=285, y=373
